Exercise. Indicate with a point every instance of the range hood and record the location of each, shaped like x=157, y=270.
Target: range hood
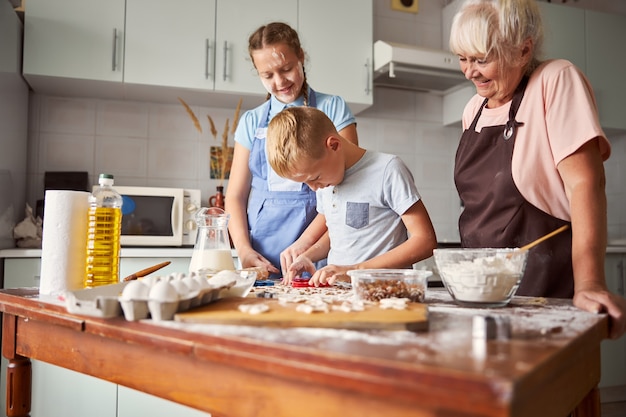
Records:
x=415, y=68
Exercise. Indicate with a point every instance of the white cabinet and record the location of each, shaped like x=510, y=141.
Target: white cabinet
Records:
x=157, y=50
x=564, y=36
x=58, y=391
x=614, y=351
x=236, y=20
x=170, y=44
x=453, y=105
x=132, y=403
x=593, y=41
x=88, y=396
x=606, y=59
x=77, y=39
x=340, y=60
x=61, y=392
x=201, y=45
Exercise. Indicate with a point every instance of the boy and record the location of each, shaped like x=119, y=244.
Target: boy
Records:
x=372, y=209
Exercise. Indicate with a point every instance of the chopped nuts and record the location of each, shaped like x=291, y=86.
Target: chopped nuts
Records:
x=377, y=290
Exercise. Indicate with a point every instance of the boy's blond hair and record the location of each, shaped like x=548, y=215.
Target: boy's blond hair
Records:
x=296, y=134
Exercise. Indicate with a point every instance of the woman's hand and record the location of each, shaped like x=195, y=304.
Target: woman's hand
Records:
x=602, y=301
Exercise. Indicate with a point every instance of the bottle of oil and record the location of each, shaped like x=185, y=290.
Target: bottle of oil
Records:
x=103, y=234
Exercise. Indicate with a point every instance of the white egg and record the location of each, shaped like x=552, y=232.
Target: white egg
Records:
x=181, y=287
x=163, y=291
x=224, y=278
x=202, y=281
x=135, y=290
x=191, y=283
x=150, y=280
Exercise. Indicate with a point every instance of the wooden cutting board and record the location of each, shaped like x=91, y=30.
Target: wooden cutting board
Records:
x=226, y=311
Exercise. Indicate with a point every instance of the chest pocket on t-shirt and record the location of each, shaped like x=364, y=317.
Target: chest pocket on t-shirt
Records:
x=357, y=215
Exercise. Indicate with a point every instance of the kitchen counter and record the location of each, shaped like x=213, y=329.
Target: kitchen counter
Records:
x=136, y=252
x=549, y=366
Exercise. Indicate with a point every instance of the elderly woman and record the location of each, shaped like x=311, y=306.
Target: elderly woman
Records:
x=531, y=155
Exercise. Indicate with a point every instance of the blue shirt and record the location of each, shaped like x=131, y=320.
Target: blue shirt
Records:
x=333, y=106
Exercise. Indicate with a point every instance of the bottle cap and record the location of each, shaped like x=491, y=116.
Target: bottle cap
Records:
x=106, y=179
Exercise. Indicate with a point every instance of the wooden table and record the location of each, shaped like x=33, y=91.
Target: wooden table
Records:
x=548, y=367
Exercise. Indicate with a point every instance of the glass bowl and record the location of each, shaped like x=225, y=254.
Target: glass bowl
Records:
x=484, y=277
x=376, y=284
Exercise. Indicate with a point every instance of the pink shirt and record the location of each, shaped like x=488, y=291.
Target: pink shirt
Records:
x=559, y=113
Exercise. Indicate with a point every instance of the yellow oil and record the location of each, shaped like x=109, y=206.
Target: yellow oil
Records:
x=103, y=246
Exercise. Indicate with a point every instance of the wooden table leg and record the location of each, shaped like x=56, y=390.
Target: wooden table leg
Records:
x=19, y=378
x=589, y=406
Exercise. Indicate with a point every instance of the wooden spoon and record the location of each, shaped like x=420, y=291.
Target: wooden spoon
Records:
x=541, y=239
x=146, y=271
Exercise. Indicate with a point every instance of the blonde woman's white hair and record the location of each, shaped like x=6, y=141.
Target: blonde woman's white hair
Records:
x=498, y=29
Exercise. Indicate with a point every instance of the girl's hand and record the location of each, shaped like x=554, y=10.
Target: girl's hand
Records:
x=252, y=258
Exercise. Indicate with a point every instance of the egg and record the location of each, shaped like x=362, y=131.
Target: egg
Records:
x=135, y=290
x=191, y=283
x=224, y=278
x=163, y=291
x=150, y=280
x=202, y=281
x=181, y=288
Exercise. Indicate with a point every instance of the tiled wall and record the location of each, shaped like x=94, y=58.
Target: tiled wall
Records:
x=156, y=144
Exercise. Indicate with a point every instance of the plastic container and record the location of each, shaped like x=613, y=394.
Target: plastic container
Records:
x=103, y=234
x=377, y=284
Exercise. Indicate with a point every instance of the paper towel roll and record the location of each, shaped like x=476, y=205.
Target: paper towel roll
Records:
x=64, y=241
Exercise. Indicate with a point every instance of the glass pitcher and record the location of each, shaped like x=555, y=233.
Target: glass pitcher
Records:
x=212, y=248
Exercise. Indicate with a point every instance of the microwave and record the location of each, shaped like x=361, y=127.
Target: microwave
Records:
x=153, y=216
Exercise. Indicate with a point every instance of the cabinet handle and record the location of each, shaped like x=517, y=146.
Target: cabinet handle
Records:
x=368, y=90
x=114, y=60
x=207, y=62
x=225, y=59
x=622, y=279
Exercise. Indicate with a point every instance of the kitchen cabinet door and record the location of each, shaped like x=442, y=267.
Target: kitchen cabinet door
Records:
x=235, y=22
x=338, y=39
x=56, y=391
x=170, y=44
x=132, y=403
x=453, y=105
x=564, y=36
x=614, y=351
x=606, y=60
x=80, y=39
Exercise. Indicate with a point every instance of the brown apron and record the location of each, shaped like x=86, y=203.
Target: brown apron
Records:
x=496, y=214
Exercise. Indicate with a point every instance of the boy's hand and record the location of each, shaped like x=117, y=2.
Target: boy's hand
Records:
x=290, y=255
x=300, y=265
x=331, y=273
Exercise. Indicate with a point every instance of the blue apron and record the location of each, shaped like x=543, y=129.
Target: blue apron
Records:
x=278, y=209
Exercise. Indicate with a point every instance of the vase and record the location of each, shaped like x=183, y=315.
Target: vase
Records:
x=217, y=200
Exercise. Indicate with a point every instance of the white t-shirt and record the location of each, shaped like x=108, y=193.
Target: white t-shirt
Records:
x=363, y=212
x=560, y=115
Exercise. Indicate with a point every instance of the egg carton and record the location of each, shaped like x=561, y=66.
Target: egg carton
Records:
x=159, y=298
